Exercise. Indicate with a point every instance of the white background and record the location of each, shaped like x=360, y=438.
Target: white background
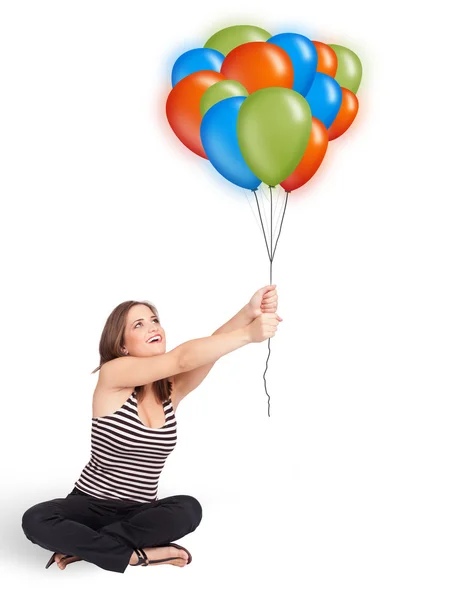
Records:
x=353, y=487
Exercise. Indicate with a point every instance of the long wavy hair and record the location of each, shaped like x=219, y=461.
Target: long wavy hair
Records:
x=112, y=340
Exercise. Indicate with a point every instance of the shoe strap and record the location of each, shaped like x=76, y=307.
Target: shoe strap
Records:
x=143, y=558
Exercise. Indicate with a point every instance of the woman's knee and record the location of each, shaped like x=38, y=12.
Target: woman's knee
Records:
x=33, y=519
x=194, y=508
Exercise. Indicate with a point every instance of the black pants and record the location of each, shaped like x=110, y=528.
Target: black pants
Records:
x=106, y=532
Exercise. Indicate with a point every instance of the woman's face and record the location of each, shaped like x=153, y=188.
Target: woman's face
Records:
x=141, y=325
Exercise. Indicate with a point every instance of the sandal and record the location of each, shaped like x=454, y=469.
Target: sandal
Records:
x=143, y=559
x=52, y=559
x=182, y=548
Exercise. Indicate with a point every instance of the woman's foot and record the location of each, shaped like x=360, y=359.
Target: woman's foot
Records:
x=62, y=562
x=178, y=557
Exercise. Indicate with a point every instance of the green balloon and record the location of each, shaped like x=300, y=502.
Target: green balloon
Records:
x=273, y=127
x=349, y=70
x=219, y=91
x=229, y=38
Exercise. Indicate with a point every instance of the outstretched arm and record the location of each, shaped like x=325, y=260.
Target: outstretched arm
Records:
x=264, y=300
x=186, y=382
x=241, y=319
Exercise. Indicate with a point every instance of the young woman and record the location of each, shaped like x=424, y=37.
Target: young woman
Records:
x=113, y=517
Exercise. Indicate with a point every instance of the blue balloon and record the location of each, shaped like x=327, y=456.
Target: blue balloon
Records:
x=324, y=98
x=303, y=55
x=199, y=59
x=218, y=132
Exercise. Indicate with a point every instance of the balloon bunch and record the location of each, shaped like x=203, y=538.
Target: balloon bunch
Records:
x=263, y=108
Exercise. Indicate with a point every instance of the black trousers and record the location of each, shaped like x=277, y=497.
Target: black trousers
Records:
x=106, y=532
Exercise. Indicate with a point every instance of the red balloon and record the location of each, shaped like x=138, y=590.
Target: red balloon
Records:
x=345, y=116
x=327, y=61
x=312, y=158
x=257, y=65
x=183, y=108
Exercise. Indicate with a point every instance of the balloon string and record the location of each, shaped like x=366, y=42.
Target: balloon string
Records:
x=271, y=255
x=279, y=219
x=264, y=195
x=265, y=200
x=277, y=204
x=271, y=258
x=283, y=217
x=261, y=219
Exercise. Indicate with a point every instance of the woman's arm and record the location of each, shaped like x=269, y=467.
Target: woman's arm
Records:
x=241, y=319
x=186, y=382
x=202, y=351
x=264, y=300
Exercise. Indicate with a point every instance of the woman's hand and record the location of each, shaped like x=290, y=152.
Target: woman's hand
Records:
x=263, y=327
x=265, y=300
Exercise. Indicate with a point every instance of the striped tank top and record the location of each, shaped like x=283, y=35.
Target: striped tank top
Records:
x=127, y=457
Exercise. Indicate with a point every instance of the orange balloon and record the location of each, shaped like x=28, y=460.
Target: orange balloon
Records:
x=258, y=65
x=312, y=158
x=346, y=114
x=327, y=61
x=183, y=108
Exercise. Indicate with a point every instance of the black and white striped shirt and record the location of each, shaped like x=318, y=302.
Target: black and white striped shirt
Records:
x=127, y=457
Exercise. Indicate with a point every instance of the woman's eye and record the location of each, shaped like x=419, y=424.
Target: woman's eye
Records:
x=154, y=319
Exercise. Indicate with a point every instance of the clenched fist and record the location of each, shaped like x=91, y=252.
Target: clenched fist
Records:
x=263, y=327
x=265, y=300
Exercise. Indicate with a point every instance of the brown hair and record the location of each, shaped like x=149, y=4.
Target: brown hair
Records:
x=111, y=340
